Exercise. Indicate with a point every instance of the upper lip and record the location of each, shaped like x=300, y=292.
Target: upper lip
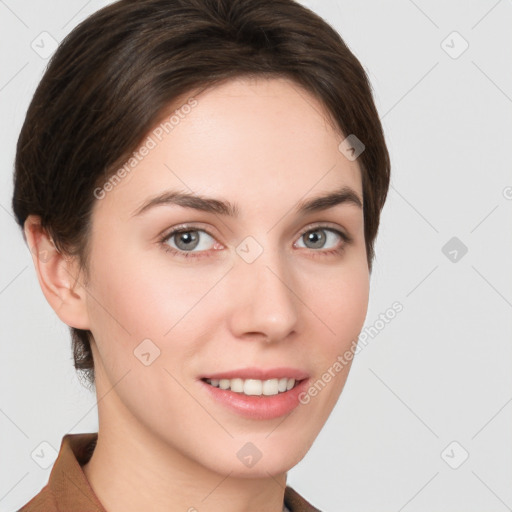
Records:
x=259, y=373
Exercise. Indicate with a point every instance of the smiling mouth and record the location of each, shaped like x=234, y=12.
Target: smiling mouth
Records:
x=255, y=387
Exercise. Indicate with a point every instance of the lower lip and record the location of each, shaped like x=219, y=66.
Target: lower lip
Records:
x=261, y=407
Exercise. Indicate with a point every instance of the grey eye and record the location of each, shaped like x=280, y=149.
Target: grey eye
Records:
x=316, y=238
x=188, y=240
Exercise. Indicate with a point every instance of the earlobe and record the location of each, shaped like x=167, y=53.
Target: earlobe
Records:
x=58, y=276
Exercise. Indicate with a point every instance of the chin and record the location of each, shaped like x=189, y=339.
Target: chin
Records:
x=260, y=458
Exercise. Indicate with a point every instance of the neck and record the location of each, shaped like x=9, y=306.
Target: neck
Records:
x=131, y=469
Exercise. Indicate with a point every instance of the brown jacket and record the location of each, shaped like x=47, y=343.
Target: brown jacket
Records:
x=68, y=489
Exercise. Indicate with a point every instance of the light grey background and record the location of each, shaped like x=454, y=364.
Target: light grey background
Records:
x=440, y=371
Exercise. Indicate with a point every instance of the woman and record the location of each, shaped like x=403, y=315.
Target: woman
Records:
x=200, y=183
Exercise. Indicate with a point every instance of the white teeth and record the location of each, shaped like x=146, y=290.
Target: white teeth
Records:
x=281, y=386
x=270, y=387
x=254, y=386
x=251, y=387
x=237, y=385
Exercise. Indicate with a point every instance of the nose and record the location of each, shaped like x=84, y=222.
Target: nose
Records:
x=265, y=303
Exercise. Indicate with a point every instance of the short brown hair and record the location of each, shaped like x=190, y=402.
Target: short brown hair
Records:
x=114, y=75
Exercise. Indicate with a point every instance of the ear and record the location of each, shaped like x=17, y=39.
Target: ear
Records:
x=57, y=275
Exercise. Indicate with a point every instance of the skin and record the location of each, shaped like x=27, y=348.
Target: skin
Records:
x=264, y=144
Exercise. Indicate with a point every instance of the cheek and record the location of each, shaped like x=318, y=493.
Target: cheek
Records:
x=140, y=295
x=339, y=303
x=138, y=298
x=342, y=304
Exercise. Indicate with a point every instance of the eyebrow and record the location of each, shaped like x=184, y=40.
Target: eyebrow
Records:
x=345, y=195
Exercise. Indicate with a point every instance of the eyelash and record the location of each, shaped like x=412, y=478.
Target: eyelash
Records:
x=205, y=254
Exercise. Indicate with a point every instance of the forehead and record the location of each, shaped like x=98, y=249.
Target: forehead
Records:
x=250, y=140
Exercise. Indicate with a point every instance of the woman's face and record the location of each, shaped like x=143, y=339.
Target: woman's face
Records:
x=268, y=291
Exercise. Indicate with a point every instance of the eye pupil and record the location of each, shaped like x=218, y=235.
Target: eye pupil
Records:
x=191, y=239
x=317, y=237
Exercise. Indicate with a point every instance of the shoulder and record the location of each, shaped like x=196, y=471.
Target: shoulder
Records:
x=296, y=503
x=44, y=501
